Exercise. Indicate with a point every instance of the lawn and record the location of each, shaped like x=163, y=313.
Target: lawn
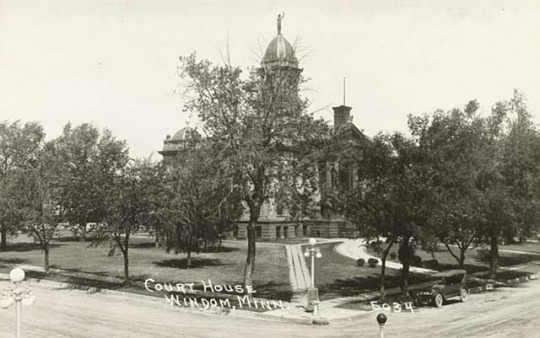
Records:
x=472, y=264
x=271, y=278
x=340, y=276
x=532, y=247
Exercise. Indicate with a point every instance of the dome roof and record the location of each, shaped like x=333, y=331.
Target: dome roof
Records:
x=280, y=53
x=185, y=134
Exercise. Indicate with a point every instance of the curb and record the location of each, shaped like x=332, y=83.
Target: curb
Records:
x=521, y=279
x=211, y=311
x=156, y=300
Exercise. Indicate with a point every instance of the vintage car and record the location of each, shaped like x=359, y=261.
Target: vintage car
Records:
x=443, y=285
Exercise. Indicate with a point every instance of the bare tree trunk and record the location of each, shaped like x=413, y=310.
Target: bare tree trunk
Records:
x=46, y=263
x=494, y=261
x=156, y=230
x=3, y=241
x=405, y=254
x=405, y=278
x=126, y=266
x=462, y=258
x=125, y=252
x=383, y=272
x=250, y=261
x=188, y=262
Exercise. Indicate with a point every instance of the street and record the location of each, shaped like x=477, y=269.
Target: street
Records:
x=504, y=313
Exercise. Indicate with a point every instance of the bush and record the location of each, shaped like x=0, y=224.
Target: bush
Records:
x=393, y=255
x=375, y=247
x=373, y=262
x=360, y=262
x=417, y=261
x=430, y=264
x=483, y=255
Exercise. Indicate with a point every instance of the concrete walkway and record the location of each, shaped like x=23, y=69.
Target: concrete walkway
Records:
x=298, y=271
x=299, y=274
x=356, y=249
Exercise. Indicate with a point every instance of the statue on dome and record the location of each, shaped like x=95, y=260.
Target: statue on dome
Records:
x=279, y=18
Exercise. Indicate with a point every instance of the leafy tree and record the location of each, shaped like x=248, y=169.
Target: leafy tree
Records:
x=257, y=125
x=511, y=175
x=390, y=200
x=19, y=147
x=451, y=143
x=42, y=186
x=82, y=181
x=125, y=203
x=202, y=202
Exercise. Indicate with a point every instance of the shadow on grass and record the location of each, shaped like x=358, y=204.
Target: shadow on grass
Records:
x=196, y=262
x=359, y=285
x=510, y=260
x=68, y=239
x=27, y=246
x=14, y=261
x=469, y=267
x=273, y=290
x=143, y=245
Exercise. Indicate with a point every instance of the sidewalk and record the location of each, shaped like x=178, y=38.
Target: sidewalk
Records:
x=356, y=249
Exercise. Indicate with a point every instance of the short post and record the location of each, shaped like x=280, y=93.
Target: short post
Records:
x=18, y=296
x=381, y=319
x=313, y=296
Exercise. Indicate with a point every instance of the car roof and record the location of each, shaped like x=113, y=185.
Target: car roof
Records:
x=449, y=273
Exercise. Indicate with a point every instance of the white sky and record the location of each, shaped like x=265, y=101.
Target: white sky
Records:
x=113, y=63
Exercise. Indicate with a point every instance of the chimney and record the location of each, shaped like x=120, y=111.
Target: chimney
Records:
x=342, y=115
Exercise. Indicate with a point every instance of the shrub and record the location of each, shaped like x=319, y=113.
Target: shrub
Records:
x=375, y=247
x=373, y=262
x=430, y=264
x=393, y=255
x=417, y=261
x=360, y=262
x=483, y=255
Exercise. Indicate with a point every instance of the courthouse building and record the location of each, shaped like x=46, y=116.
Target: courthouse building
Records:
x=274, y=222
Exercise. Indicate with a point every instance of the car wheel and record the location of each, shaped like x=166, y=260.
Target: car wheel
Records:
x=463, y=295
x=438, y=300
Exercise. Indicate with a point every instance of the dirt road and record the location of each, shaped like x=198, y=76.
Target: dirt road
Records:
x=76, y=314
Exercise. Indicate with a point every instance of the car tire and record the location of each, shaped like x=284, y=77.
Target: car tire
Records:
x=438, y=300
x=464, y=295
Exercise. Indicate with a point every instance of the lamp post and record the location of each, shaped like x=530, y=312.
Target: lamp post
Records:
x=313, y=252
x=381, y=319
x=18, y=296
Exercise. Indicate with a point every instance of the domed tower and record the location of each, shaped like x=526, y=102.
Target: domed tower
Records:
x=174, y=146
x=279, y=67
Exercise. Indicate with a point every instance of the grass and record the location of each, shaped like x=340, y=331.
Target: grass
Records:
x=446, y=261
x=271, y=278
x=339, y=276
x=533, y=247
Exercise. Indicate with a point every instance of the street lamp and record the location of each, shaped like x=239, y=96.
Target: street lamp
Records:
x=313, y=297
x=18, y=296
x=381, y=319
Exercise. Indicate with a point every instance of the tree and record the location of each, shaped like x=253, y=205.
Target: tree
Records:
x=81, y=154
x=125, y=202
x=511, y=176
x=202, y=202
x=258, y=127
x=43, y=188
x=391, y=198
x=124, y=191
x=451, y=144
x=19, y=146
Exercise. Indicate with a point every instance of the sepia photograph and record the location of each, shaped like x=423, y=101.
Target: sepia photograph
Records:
x=230, y=169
